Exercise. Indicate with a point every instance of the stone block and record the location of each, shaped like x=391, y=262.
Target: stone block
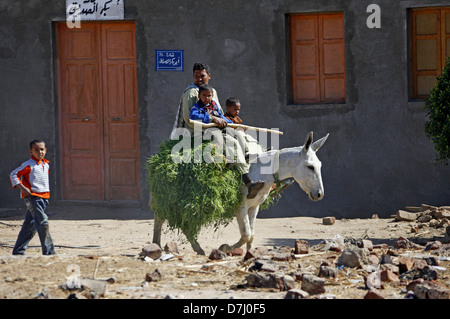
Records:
x=328, y=220
x=405, y=216
x=313, y=284
x=296, y=294
x=301, y=247
x=151, y=250
x=353, y=257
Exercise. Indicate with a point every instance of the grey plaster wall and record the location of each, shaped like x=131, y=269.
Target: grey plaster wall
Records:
x=376, y=160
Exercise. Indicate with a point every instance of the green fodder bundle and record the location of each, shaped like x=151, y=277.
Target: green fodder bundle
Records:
x=191, y=195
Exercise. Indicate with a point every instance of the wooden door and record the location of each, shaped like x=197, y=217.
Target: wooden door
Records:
x=98, y=112
x=121, y=111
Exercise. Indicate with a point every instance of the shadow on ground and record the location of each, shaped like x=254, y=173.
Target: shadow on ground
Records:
x=84, y=212
x=277, y=242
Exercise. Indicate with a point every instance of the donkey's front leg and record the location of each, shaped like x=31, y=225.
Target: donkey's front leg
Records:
x=244, y=229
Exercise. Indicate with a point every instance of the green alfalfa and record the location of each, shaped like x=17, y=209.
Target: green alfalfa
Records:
x=190, y=196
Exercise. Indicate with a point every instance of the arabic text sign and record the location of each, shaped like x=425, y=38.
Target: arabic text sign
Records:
x=84, y=10
x=169, y=60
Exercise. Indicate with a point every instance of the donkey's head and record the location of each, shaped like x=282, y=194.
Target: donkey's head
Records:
x=307, y=171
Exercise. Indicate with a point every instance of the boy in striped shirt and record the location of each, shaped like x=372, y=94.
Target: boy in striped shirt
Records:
x=32, y=179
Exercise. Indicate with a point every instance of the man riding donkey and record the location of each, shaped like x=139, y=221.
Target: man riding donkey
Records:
x=299, y=164
x=238, y=143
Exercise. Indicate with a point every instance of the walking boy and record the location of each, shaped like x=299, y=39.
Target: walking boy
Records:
x=32, y=179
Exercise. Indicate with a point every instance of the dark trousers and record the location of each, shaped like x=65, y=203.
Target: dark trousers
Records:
x=35, y=221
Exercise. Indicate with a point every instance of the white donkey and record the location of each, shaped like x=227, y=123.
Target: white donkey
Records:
x=300, y=163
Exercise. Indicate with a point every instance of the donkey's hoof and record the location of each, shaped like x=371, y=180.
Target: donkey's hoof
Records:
x=225, y=248
x=200, y=251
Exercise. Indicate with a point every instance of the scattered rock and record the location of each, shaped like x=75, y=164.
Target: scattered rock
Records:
x=374, y=293
x=328, y=272
x=432, y=260
x=353, y=257
x=296, y=294
x=96, y=288
x=91, y=288
x=313, y=284
x=413, y=283
x=405, y=216
x=328, y=220
x=373, y=259
x=403, y=243
x=425, y=215
x=393, y=268
x=301, y=247
x=405, y=264
x=254, y=253
x=217, y=254
x=366, y=244
x=419, y=264
x=237, y=252
x=271, y=280
x=392, y=252
x=154, y=276
x=428, y=273
x=283, y=257
x=431, y=290
x=373, y=280
x=264, y=265
x=414, y=229
x=444, y=212
x=151, y=250
x=388, y=276
x=385, y=259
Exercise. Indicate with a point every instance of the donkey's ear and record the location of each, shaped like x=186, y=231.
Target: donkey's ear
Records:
x=308, y=142
x=318, y=144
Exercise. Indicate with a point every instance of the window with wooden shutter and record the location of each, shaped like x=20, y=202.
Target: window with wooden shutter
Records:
x=430, y=44
x=317, y=58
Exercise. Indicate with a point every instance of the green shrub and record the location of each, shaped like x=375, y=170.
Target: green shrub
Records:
x=437, y=128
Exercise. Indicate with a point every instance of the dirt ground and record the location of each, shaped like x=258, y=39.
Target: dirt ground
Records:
x=108, y=247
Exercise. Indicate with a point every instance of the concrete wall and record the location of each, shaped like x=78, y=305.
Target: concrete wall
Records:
x=376, y=160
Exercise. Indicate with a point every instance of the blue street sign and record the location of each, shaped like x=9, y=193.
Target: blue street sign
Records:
x=169, y=60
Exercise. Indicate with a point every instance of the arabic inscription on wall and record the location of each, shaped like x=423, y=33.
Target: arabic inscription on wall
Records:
x=86, y=10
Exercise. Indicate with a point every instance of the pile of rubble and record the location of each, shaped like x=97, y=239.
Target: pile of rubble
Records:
x=378, y=266
x=318, y=272
x=417, y=267
x=426, y=215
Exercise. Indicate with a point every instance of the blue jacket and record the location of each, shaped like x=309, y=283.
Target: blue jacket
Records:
x=199, y=112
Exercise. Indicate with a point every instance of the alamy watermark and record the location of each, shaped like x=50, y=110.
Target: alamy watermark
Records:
x=230, y=146
x=374, y=19
x=73, y=16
